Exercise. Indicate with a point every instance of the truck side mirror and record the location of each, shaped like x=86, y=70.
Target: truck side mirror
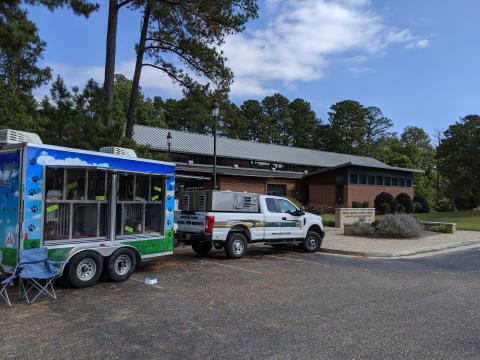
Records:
x=302, y=210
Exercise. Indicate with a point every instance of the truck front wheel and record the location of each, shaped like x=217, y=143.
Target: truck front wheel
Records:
x=202, y=248
x=312, y=242
x=236, y=245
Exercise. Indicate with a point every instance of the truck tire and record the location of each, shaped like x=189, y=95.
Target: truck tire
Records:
x=312, y=242
x=121, y=264
x=84, y=269
x=236, y=245
x=202, y=248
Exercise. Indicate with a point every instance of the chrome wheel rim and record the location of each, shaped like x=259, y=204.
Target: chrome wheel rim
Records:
x=86, y=269
x=311, y=242
x=122, y=265
x=238, y=246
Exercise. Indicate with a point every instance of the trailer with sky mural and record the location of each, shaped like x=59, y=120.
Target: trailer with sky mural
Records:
x=101, y=211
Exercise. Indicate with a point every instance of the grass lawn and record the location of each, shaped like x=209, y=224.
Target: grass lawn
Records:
x=465, y=220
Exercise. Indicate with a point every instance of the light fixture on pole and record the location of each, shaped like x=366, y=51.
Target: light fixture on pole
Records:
x=169, y=144
x=215, y=114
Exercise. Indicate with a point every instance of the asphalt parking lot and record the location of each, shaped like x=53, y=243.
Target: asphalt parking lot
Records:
x=271, y=304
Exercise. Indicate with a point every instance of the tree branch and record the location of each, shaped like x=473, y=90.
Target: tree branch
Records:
x=169, y=73
x=123, y=3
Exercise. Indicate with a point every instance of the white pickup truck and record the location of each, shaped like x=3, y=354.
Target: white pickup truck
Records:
x=231, y=220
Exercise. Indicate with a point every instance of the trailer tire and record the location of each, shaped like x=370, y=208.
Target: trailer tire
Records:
x=312, y=242
x=236, y=245
x=202, y=248
x=84, y=269
x=121, y=264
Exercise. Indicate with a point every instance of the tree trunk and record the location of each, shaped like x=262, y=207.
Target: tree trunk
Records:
x=109, y=81
x=138, y=71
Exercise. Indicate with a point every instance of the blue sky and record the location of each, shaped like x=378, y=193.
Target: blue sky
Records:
x=416, y=60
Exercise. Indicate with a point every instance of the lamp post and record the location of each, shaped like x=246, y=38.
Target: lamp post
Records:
x=215, y=114
x=169, y=144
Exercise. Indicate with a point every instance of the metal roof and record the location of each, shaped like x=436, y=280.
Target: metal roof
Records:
x=191, y=143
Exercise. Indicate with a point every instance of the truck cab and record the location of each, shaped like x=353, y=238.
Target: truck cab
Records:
x=232, y=220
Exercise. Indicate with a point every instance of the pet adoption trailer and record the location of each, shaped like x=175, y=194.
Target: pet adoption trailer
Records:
x=100, y=211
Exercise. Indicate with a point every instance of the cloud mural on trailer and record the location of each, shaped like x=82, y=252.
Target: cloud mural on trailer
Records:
x=41, y=156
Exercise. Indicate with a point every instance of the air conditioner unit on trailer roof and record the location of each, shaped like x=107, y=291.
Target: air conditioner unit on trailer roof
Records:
x=9, y=136
x=118, y=151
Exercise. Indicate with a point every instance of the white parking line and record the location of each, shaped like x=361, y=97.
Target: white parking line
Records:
x=230, y=266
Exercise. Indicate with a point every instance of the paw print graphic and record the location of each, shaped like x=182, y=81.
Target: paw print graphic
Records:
x=169, y=222
x=31, y=228
x=169, y=197
x=31, y=192
x=34, y=208
x=169, y=209
x=170, y=187
x=35, y=179
x=33, y=162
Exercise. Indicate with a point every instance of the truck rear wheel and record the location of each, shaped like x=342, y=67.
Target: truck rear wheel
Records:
x=202, y=248
x=84, y=269
x=121, y=264
x=236, y=245
x=312, y=242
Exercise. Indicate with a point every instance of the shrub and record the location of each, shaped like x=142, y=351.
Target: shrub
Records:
x=381, y=199
x=329, y=223
x=444, y=205
x=356, y=204
x=441, y=228
x=418, y=208
x=399, y=226
x=360, y=227
x=398, y=208
x=359, y=204
x=406, y=201
x=384, y=208
x=424, y=202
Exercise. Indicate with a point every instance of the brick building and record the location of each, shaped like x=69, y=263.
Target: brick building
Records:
x=311, y=176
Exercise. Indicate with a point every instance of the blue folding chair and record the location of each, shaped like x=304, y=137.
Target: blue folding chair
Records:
x=6, y=281
x=37, y=274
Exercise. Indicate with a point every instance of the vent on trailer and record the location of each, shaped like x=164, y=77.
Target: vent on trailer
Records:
x=118, y=151
x=9, y=136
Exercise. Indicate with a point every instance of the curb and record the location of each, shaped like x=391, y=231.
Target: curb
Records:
x=406, y=252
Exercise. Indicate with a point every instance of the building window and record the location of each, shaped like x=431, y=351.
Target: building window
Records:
x=371, y=180
x=276, y=189
x=388, y=181
x=401, y=182
x=353, y=178
x=394, y=181
x=363, y=179
x=409, y=182
x=379, y=180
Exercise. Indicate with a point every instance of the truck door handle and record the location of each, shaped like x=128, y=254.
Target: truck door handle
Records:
x=284, y=218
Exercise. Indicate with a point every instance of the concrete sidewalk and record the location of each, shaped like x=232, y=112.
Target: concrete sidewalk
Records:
x=337, y=243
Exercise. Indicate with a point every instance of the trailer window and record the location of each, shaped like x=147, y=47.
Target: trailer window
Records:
x=97, y=185
x=143, y=212
x=82, y=212
x=75, y=187
x=54, y=184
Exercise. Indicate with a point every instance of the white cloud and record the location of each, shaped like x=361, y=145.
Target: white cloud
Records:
x=301, y=39
x=45, y=159
x=79, y=75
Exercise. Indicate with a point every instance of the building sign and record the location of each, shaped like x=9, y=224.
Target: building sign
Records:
x=351, y=215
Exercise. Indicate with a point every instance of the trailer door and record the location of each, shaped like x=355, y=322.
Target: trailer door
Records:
x=9, y=205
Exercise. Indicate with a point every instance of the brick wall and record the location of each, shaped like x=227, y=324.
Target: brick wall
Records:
x=368, y=193
x=242, y=183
